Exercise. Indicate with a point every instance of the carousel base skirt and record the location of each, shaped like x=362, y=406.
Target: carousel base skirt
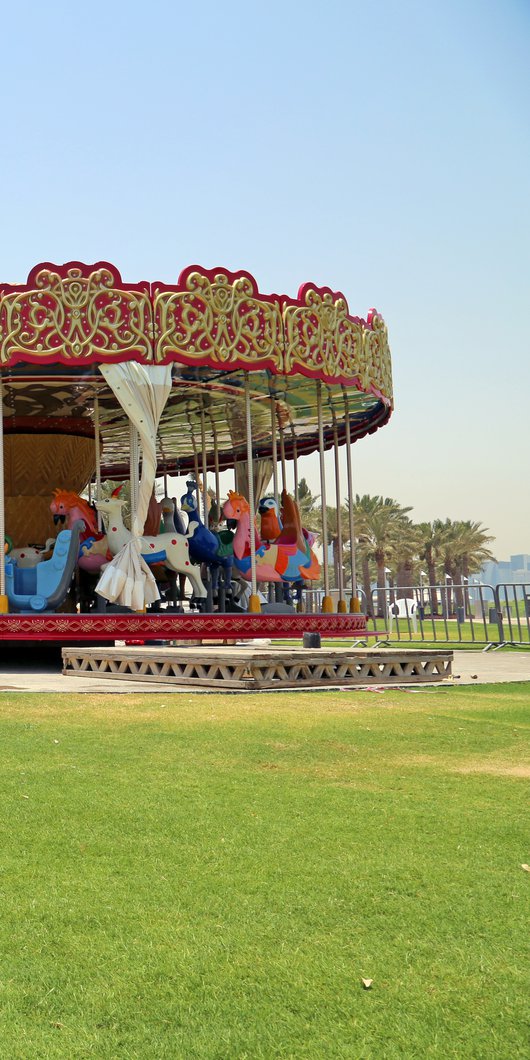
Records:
x=101, y=628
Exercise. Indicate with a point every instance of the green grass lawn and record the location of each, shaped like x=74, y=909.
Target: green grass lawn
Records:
x=212, y=876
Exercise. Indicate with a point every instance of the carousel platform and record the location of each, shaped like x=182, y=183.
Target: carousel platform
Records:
x=257, y=668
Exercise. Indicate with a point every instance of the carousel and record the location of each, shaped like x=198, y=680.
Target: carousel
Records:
x=112, y=390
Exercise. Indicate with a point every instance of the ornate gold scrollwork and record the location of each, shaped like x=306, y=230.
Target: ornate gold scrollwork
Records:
x=319, y=335
x=77, y=312
x=377, y=365
x=78, y=315
x=218, y=320
x=323, y=339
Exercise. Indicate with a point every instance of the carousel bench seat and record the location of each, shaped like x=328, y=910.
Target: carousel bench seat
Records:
x=44, y=587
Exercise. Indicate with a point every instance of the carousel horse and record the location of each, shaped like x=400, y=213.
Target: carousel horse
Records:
x=172, y=549
x=289, y=559
x=171, y=521
x=206, y=546
x=68, y=507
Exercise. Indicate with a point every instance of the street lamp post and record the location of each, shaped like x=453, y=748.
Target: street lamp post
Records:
x=448, y=585
x=422, y=590
x=465, y=595
x=388, y=587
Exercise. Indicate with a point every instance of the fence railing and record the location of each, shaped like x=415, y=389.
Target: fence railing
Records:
x=467, y=613
x=462, y=613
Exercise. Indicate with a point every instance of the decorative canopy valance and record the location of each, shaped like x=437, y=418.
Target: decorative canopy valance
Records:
x=77, y=314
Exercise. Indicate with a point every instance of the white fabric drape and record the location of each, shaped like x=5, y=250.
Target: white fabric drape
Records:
x=142, y=391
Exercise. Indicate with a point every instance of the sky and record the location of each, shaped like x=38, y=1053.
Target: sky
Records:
x=381, y=149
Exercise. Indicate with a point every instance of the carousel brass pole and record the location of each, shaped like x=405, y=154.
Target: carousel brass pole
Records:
x=274, y=450
x=254, y=604
x=282, y=458
x=4, y=603
x=209, y=583
x=276, y=589
x=216, y=466
x=295, y=463
x=327, y=602
x=98, y=457
x=341, y=606
x=355, y=606
x=134, y=460
x=195, y=464
x=204, y=472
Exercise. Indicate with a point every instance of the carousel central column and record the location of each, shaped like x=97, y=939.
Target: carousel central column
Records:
x=327, y=602
x=254, y=604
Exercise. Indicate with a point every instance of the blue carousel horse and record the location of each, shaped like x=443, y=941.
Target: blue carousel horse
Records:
x=214, y=549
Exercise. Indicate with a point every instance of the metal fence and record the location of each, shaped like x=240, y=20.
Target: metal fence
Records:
x=471, y=612
x=493, y=616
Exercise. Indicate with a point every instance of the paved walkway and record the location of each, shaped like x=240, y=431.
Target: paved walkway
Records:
x=41, y=672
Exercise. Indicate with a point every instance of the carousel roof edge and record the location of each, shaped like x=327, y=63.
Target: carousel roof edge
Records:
x=78, y=313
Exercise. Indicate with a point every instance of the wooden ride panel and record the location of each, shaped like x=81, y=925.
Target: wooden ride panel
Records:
x=257, y=668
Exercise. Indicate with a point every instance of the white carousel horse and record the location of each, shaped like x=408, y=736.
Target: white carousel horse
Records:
x=172, y=549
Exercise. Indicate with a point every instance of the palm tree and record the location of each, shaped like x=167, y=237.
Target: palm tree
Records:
x=465, y=552
x=433, y=542
x=407, y=549
x=380, y=522
x=309, y=507
x=470, y=547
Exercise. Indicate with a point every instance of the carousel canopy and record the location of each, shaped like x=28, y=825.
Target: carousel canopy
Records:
x=212, y=327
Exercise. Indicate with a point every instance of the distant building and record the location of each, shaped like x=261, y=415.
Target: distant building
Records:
x=516, y=569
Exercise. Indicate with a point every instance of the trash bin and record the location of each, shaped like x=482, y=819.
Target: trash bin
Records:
x=527, y=606
x=494, y=615
x=461, y=615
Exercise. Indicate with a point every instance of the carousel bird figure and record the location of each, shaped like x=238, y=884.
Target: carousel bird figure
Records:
x=271, y=525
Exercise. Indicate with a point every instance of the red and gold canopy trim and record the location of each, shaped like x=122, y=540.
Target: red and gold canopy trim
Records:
x=76, y=313
x=217, y=318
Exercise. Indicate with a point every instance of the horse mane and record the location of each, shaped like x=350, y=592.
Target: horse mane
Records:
x=73, y=500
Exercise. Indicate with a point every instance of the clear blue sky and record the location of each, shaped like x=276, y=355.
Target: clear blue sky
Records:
x=381, y=148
